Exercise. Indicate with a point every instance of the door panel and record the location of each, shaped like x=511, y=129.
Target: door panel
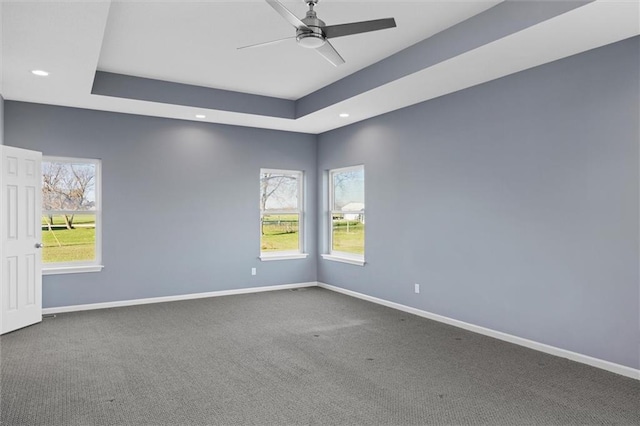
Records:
x=20, y=232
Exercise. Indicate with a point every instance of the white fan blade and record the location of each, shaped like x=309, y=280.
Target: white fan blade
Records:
x=287, y=14
x=266, y=43
x=330, y=54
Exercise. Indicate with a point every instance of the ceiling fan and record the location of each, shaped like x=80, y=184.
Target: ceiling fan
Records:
x=313, y=33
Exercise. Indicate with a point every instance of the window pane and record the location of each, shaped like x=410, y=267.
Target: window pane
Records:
x=68, y=186
x=69, y=238
x=279, y=191
x=280, y=233
x=348, y=233
x=348, y=190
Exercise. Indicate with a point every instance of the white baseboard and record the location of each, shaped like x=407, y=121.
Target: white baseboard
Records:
x=120, y=303
x=563, y=353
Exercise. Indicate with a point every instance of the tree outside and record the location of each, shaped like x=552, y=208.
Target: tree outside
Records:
x=68, y=205
x=279, y=211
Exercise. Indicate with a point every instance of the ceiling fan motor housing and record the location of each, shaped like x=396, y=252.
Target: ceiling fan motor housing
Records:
x=313, y=37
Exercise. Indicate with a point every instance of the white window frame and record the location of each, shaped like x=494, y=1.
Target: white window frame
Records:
x=334, y=255
x=266, y=256
x=80, y=266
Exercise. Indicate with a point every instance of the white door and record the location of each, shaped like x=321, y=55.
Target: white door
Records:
x=21, y=232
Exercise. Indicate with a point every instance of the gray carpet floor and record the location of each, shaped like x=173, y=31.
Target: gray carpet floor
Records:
x=309, y=356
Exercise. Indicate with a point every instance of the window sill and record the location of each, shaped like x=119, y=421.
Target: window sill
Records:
x=71, y=269
x=344, y=259
x=270, y=257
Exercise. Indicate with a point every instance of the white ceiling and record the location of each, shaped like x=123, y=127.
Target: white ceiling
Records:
x=195, y=42
x=201, y=40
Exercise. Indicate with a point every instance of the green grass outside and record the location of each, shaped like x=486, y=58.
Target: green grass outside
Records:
x=282, y=236
x=348, y=239
x=285, y=236
x=78, y=219
x=69, y=245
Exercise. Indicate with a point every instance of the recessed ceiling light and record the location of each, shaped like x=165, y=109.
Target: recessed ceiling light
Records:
x=344, y=115
x=40, y=73
x=201, y=116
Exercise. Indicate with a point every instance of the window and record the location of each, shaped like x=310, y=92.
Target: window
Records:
x=346, y=207
x=71, y=215
x=281, y=215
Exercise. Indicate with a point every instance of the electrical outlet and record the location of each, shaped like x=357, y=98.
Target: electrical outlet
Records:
x=416, y=288
x=253, y=271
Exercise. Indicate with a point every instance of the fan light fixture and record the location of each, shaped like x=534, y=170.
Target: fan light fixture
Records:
x=310, y=41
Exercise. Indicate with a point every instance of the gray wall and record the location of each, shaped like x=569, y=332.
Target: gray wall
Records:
x=514, y=204
x=180, y=201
